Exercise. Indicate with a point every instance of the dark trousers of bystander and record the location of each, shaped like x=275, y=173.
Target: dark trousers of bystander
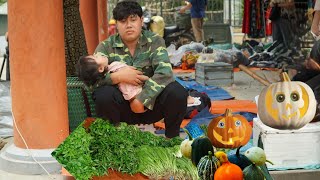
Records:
x=171, y=105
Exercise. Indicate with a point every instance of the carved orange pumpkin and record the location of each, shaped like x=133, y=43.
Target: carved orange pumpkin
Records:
x=287, y=104
x=229, y=131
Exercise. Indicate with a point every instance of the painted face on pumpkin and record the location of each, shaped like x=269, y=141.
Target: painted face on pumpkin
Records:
x=286, y=104
x=293, y=99
x=229, y=131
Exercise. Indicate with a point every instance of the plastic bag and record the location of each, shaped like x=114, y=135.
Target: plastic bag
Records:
x=175, y=55
x=6, y=122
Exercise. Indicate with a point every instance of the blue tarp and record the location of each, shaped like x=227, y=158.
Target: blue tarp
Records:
x=214, y=93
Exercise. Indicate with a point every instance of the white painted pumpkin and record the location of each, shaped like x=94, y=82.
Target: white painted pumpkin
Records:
x=287, y=104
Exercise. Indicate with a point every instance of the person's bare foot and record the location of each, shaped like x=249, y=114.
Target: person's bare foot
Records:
x=190, y=100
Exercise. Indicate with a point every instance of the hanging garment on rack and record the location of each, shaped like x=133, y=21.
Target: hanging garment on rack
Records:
x=246, y=17
x=257, y=20
x=268, y=23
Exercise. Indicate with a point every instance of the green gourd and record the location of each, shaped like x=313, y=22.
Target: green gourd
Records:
x=207, y=166
x=200, y=147
x=253, y=172
x=241, y=160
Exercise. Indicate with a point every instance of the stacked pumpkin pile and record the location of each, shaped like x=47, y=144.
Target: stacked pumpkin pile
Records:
x=227, y=132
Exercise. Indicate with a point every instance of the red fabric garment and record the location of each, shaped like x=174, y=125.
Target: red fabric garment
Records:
x=246, y=17
x=268, y=23
x=258, y=15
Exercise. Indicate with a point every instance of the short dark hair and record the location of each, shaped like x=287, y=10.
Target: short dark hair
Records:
x=124, y=9
x=87, y=70
x=315, y=52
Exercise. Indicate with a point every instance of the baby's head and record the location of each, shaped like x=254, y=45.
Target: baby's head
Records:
x=91, y=68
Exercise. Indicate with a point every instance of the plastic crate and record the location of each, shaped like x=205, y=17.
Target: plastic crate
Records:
x=215, y=74
x=80, y=102
x=221, y=33
x=289, y=149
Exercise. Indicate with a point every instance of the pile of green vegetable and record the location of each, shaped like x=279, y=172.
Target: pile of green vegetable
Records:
x=91, y=151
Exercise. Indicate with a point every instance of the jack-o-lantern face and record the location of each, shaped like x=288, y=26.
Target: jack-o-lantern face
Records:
x=229, y=131
x=287, y=105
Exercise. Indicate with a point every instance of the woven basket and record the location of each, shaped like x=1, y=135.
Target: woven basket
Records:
x=80, y=102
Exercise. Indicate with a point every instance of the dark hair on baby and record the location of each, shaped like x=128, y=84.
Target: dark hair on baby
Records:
x=124, y=9
x=87, y=70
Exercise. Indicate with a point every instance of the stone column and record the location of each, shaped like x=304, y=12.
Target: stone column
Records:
x=38, y=85
x=102, y=20
x=89, y=16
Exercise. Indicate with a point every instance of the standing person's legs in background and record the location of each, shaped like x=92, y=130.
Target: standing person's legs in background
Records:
x=197, y=27
x=276, y=31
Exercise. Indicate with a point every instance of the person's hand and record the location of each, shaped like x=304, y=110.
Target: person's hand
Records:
x=129, y=75
x=182, y=11
x=136, y=106
x=312, y=65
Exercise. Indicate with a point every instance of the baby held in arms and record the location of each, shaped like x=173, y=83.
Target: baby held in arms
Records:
x=92, y=69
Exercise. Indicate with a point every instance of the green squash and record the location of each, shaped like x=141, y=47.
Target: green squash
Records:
x=257, y=156
x=241, y=160
x=200, y=147
x=253, y=172
x=207, y=166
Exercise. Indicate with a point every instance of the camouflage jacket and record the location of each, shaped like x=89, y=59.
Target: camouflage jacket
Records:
x=151, y=58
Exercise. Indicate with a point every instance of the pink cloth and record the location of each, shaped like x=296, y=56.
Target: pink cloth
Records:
x=128, y=90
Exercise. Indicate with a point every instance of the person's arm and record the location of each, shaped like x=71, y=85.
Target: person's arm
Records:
x=126, y=75
x=163, y=74
x=316, y=19
x=188, y=6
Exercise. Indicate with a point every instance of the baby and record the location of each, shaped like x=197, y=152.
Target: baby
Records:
x=93, y=68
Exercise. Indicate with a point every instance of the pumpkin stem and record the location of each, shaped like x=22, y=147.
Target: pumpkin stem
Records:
x=205, y=129
x=189, y=135
x=228, y=112
x=284, y=77
x=269, y=162
x=210, y=154
x=238, y=151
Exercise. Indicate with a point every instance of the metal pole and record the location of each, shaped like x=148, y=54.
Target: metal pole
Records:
x=161, y=8
x=229, y=12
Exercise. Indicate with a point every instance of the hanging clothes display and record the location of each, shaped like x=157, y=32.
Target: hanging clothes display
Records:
x=254, y=19
x=268, y=22
x=246, y=16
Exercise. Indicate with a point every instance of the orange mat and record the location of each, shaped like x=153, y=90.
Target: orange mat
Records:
x=256, y=68
x=179, y=70
x=219, y=107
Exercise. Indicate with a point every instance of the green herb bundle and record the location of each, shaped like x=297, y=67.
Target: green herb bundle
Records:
x=162, y=163
x=74, y=155
x=103, y=146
